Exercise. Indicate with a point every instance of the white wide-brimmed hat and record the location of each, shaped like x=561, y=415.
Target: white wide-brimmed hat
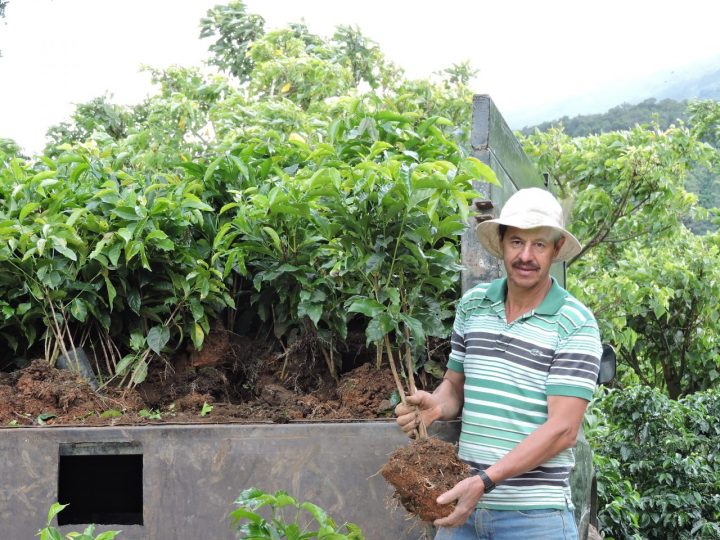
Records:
x=528, y=209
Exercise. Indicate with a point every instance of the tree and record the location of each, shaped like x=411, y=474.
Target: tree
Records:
x=97, y=115
x=623, y=185
x=626, y=116
x=649, y=281
x=461, y=73
x=659, y=303
x=234, y=31
x=364, y=58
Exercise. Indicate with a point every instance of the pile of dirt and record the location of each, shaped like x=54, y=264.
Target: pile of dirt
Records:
x=423, y=470
x=231, y=380
x=41, y=394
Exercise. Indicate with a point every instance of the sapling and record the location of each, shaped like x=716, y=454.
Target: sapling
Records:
x=51, y=533
x=288, y=519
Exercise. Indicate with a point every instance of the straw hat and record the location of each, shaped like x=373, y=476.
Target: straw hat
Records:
x=528, y=209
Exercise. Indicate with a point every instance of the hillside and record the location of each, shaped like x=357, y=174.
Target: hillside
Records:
x=695, y=81
x=624, y=116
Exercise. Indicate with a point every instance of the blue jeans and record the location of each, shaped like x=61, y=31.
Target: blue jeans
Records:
x=483, y=524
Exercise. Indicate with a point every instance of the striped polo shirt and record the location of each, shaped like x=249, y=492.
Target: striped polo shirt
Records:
x=510, y=369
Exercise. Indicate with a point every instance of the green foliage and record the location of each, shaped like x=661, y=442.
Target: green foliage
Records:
x=142, y=226
x=645, y=278
x=625, y=185
x=659, y=303
x=657, y=460
x=51, y=533
x=86, y=245
x=286, y=67
x=306, y=520
x=97, y=115
x=234, y=31
x=364, y=58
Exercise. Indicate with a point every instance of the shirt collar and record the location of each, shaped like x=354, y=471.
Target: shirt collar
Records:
x=553, y=301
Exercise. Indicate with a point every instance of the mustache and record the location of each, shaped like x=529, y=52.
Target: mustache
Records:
x=521, y=266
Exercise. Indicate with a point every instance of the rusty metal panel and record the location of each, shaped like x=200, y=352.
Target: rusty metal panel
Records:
x=193, y=473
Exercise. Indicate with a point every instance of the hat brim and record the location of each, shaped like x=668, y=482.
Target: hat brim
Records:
x=487, y=233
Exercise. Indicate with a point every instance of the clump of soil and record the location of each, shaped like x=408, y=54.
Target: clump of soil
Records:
x=42, y=394
x=423, y=470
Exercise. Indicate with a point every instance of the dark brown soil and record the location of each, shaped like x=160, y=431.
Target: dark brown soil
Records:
x=239, y=379
x=420, y=472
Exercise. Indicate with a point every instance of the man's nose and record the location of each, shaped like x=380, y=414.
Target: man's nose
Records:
x=526, y=252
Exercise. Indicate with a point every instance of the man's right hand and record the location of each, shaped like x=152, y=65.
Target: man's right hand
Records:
x=420, y=408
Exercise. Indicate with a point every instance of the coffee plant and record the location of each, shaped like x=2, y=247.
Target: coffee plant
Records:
x=658, y=463
x=286, y=519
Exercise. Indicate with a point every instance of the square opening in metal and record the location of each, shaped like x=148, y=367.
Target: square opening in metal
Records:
x=102, y=483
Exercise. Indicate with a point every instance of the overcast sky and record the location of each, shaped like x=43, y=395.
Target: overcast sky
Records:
x=532, y=55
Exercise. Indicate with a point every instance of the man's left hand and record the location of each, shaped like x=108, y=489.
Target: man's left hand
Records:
x=467, y=493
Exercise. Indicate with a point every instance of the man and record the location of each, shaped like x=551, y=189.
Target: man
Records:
x=523, y=365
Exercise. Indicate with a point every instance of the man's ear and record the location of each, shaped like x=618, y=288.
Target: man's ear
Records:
x=559, y=245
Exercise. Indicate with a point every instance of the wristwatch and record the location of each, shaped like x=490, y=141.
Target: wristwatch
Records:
x=489, y=484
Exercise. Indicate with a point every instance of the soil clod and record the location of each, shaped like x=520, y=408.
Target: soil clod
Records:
x=423, y=470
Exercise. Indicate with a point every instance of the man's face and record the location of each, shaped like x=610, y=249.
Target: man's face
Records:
x=528, y=254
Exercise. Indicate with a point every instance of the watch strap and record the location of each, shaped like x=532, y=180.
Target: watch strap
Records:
x=487, y=481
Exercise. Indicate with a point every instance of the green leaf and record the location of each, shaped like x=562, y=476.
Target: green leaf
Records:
x=66, y=251
x=379, y=327
x=55, y=509
x=50, y=534
x=139, y=373
x=274, y=236
x=44, y=417
x=367, y=306
x=27, y=209
x=43, y=175
x=157, y=338
x=416, y=328
x=318, y=513
x=107, y=535
x=197, y=335
x=206, y=409
x=78, y=309
x=478, y=169
x=125, y=363
x=312, y=310
x=127, y=212
x=192, y=201
x=110, y=292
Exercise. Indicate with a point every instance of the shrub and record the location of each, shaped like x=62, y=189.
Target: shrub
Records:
x=658, y=464
x=51, y=533
x=306, y=521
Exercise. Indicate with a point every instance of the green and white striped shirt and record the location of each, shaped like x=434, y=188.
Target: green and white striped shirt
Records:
x=510, y=370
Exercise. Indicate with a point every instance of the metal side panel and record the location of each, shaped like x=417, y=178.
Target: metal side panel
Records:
x=490, y=131
x=193, y=473
x=494, y=143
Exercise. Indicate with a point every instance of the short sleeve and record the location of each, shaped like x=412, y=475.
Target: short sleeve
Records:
x=456, y=359
x=576, y=363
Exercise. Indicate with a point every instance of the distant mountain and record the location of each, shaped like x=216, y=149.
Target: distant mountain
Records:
x=702, y=86
x=625, y=116
x=696, y=81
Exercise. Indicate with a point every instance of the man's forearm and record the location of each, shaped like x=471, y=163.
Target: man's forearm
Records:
x=547, y=441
